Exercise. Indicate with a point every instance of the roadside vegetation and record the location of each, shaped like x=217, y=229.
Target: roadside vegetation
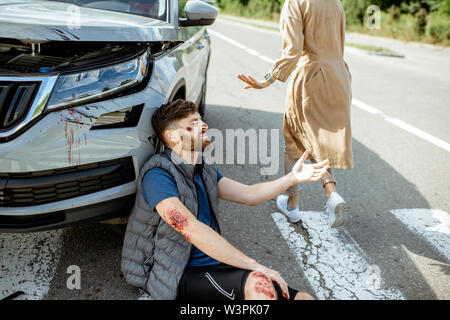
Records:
x=374, y=49
x=410, y=20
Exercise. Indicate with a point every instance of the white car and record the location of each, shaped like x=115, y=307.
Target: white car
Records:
x=79, y=81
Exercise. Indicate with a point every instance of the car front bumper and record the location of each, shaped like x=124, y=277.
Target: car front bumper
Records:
x=65, y=139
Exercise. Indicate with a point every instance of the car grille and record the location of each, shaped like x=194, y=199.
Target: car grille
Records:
x=16, y=99
x=30, y=221
x=40, y=187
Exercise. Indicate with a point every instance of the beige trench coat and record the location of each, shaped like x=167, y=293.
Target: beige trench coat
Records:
x=317, y=116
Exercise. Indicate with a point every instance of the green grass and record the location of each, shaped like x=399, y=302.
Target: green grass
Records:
x=404, y=27
x=262, y=26
x=355, y=45
x=370, y=48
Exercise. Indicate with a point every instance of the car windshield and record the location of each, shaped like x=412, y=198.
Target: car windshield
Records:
x=156, y=9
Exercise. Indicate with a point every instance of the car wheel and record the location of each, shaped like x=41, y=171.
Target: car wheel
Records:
x=119, y=229
x=202, y=105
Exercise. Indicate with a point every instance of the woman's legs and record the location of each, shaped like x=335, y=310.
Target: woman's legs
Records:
x=330, y=188
x=328, y=182
x=292, y=192
x=335, y=206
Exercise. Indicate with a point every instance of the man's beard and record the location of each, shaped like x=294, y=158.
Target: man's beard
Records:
x=205, y=144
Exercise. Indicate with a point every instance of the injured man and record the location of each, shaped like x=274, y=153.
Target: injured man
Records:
x=173, y=247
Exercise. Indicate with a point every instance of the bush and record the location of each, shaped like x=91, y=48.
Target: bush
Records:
x=402, y=28
x=263, y=9
x=181, y=4
x=411, y=20
x=421, y=21
x=394, y=13
x=444, y=9
x=355, y=10
x=438, y=28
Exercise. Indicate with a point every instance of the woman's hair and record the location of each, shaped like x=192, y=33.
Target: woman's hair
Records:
x=168, y=114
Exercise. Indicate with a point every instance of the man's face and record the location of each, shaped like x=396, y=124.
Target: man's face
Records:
x=192, y=131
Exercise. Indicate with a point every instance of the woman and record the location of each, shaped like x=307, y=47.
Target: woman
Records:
x=317, y=116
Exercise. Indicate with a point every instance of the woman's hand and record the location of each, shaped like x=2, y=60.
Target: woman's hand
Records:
x=302, y=172
x=252, y=83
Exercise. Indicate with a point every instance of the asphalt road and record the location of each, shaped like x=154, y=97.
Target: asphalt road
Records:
x=396, y=244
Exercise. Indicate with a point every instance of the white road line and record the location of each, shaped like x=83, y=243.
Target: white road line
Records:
x=241, y=46
x=266, y=59
x=227, y=39
x=251, y=27
x=419, y=133
x=430, y=224
x=364, y=106
x=28, y=263
x=403, y=125
x=334, y=264
x=252, y=52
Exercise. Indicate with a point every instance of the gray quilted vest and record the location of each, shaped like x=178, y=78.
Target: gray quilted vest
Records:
x=154, y=254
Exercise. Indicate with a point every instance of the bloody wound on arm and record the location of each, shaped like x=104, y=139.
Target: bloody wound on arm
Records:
x=178, y=221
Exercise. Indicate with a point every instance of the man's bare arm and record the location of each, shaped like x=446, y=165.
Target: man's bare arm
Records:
x=258, y=193
x=252, y=195
x=209, y=241
x=203, y=237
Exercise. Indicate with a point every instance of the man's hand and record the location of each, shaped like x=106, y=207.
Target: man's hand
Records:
x=252, y=83
x=302, y=172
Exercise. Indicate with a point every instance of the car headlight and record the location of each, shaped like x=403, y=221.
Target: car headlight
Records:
x=128, y=117
x=95, y=84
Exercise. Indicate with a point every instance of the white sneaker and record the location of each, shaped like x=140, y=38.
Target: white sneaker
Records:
x=282, y=204
x=336, y=208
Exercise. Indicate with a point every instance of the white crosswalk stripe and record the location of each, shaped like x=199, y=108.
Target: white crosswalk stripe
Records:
x=430, y=224
x=28, y=263
x=334, y=264
x=144, y=296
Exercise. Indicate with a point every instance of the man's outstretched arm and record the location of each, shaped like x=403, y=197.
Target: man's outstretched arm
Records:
x=209, y=241
x=258, y=193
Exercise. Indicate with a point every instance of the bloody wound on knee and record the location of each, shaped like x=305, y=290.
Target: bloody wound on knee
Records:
x=262, y=285
x=178, y=221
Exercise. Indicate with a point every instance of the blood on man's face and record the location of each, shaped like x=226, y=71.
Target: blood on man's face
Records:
x=194, y=125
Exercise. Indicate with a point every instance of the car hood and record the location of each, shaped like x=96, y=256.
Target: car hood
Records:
x=45, y=20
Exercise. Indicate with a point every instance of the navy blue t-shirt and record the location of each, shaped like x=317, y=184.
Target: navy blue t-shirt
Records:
x=158, y=185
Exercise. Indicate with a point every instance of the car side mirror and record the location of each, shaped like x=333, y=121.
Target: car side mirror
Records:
x=198, y=13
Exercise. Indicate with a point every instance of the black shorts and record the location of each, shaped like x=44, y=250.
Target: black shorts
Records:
x=220, y=282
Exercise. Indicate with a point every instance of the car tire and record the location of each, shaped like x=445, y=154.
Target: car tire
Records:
x=118, y=229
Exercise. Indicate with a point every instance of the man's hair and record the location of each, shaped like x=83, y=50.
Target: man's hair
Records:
x=169, y=113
